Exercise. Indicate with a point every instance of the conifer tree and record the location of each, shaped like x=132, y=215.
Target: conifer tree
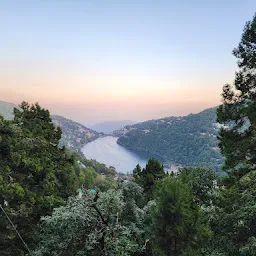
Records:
x=35, y=174
x=238, y=112
x=234, y=222
x=178, y=227
x=148, y=176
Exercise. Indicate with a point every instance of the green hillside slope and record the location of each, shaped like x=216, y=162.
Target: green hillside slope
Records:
x=188, y=141
x=74, y=135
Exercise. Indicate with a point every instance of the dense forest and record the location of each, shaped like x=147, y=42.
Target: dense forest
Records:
x=36, y=175
x=187, y=141
x=55, y=202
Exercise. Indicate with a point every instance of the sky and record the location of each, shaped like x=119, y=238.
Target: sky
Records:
x=99, y=60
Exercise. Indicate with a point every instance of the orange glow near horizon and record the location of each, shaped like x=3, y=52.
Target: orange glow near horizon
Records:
x=111, y=98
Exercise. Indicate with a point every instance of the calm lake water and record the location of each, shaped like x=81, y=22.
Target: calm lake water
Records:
x=106, y=150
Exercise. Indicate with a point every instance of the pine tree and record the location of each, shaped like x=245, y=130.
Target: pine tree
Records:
x=148, y=176
x=178, y=227
x=234, y=221
x=238, y=112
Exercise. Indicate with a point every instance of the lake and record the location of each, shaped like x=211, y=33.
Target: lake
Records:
x=106, y=150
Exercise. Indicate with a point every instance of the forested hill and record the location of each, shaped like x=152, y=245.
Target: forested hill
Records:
x=188, y=141
x=74, y=135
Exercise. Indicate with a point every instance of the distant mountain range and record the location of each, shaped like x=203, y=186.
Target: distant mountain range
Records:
x=182, y=141
x=110, y=126
x=74, y=135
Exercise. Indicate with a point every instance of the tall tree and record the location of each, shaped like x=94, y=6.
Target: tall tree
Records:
x=36, y=122
x=177, y=223
x=234, y=219
x=35, y=175
x=148, y=176
x=238, y=111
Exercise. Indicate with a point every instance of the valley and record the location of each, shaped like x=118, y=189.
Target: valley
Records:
x=175, y=141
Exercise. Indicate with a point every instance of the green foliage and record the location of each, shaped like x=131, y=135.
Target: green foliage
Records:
x=95, y=225
x=36, y=122
x=87, y=177
x=100, y=168
x=237, y=141
x=35, y=174
x=106, y=183
x=132, y=194
x=234, y=221
x=202, y=182
x=189, y=140
x=74, y=135
x=148, y=176
x=177, y=223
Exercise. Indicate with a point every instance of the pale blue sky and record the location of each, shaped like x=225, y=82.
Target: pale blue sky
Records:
x=99, y=60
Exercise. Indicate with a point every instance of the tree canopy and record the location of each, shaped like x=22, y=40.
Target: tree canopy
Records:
x=234, y=220
x=238, y=112
x=106, y=223
x=148, y=176
x=36, y=175
x=177, y=224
